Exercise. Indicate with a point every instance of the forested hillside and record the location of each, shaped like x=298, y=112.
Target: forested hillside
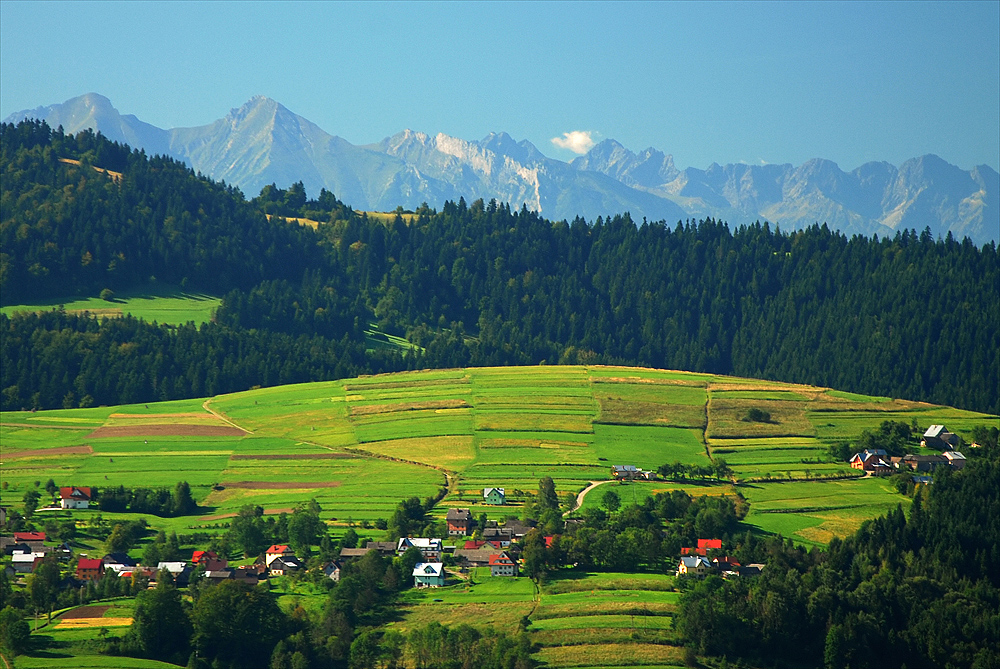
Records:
x=477, y=284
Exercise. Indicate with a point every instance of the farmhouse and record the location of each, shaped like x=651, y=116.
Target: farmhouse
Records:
x=178, y=569
x=938, y=436
x=459, y=522
x=29, y=537
x=624, y=472
x=694, y=565
x=955, y=459
x=25, y=563
x=75, y=498
x=428, y=575
x=872, y=460
x=277, y=551
x=494, y=496
x=89, y=569
x=475, y=557
x=429, y=548
x=501, y=535
x=284, y=565
x=502, y=565
x=923, y=463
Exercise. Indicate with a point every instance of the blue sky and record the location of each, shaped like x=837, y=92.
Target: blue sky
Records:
x=745, y=82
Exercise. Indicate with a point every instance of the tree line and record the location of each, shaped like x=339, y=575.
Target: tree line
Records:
x=485, y=284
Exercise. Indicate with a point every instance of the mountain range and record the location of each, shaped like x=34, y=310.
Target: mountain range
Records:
x=263, y=142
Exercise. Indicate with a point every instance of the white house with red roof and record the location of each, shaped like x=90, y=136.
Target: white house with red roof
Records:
x=75, y=498
x=277, y=551
x=502, y=565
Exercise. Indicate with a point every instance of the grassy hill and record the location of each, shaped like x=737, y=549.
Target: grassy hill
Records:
x=359, y=446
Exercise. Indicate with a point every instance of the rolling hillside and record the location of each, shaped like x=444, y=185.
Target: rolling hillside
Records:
x=360, y=446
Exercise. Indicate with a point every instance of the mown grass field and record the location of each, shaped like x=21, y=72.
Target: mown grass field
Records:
x=359, y=446
x=163, y=303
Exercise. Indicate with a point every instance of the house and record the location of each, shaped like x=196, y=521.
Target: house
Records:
x=624, y=472
x=75, y=498
x=276, y=551
x=332, y=570
x=725, y=564
x=872, y=460
x=752, y=569
x=459, y=522
x=922, y=480
x=429, y=548
x=386, y=548
x=494, y=496
x=346, y=553
x=476, y=545
x=89, y=569
x=178, y=569
x=694, y=565
x=29, y=537
x=923, y=463
x=938, y=436
x=25, y=563
x=500, y=535
x=519, y=528
x=218, y=575
x=955, y=459
x=428, y=575
x=285, y=565
x=209, y=561
x=118, y=563
x=246, y=574
x=502, y=565
x=475, y=557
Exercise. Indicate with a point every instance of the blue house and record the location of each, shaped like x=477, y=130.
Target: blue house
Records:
x=428, y=575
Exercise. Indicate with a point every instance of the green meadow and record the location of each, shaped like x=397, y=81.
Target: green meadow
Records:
x=359, y=446
x=159, y=302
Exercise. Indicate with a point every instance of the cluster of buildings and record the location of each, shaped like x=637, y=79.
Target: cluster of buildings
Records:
x=695, y=562
x=498, y=549
x=877, y=462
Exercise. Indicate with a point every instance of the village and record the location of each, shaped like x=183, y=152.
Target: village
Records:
x=496, y=546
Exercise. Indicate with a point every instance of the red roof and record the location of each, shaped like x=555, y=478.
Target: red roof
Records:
x=709, y=543
x=29, y=536
x=89, y=563
x=548, y=542
x=198, y=556
x=279, y=549
x=73, y=492
x=501, y=560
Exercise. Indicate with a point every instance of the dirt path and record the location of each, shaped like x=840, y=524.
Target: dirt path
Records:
x=206, y=406
x=583, y=493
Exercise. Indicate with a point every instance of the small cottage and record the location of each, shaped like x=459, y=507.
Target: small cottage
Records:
x=277, y=551
x=624, y=472
x=75, y=498
x=429, y=548
x=494, y=496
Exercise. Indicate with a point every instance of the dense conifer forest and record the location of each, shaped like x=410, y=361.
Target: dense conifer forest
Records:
x=479, y=284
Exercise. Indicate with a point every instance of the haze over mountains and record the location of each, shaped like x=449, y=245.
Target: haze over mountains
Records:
x=262, y=142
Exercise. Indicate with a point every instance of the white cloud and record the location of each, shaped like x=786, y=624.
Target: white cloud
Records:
x=578, y=141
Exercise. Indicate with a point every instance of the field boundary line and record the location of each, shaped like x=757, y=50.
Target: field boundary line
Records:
x=207, y=407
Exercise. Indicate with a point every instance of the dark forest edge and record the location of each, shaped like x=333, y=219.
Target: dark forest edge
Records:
x=473, y=285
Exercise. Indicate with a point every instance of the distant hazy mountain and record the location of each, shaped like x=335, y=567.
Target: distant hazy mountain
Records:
x=262, y=142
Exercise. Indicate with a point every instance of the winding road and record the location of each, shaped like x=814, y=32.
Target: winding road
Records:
x=583, y=493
